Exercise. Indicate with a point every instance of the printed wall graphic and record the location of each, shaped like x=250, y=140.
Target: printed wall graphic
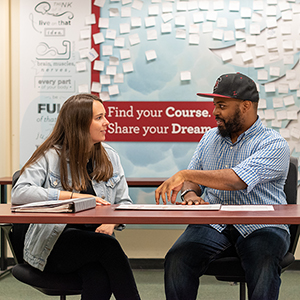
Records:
x=152, y=121
x=46, y=52
x=155, y=51
x=50, y=43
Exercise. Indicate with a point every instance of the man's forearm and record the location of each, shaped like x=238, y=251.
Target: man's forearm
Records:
x=225, y=179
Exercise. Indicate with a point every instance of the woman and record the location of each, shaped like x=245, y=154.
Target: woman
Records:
x=73, y=163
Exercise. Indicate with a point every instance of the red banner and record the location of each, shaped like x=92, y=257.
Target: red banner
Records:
x=155, y=121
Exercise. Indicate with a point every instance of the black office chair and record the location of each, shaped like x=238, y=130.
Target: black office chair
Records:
x=230, y=269
x=5, y=229
x=52, y=284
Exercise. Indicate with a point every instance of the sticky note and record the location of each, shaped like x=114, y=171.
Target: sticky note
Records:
x=90, y=19
x=185, y=75
x=151, y=35
x=92, y=54
x=125, y=53
x=119, y=42
x=119, y=78
x=83, y=88
x=98, y=65
x=111, y=70
x=96, y=87
x=104, y=96
x=137, y=4
x=111, y=34
x=113, y=61
x=105, y=79
x=113, y=90
x=150, y=55
x=127, y=67
x=107, y=50
x=134, y=39
x=124, y=28
x=98, y=38
x=81, y=66
x=103, y=23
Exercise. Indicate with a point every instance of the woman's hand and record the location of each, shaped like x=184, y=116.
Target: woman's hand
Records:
x=100, y=201
x=106, y=228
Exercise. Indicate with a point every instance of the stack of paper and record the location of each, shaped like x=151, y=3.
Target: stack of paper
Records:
x=169, y=207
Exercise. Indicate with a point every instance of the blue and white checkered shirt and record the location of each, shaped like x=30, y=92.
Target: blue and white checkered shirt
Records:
x=260, y=157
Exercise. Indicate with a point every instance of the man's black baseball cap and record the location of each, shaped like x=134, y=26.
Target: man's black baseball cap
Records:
x=236, y=85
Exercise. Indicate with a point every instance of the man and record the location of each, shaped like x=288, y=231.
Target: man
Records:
x=238, y=162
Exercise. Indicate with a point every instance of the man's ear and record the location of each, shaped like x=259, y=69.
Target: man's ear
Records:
x=246, y=105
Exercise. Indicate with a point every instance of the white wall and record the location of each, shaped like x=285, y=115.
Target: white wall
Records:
x=5, y=149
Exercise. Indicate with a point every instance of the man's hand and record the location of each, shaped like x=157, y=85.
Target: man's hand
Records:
x=173, y=184
x=192, y=200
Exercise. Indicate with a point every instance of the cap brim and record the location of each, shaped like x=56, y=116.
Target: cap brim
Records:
x=212, y=95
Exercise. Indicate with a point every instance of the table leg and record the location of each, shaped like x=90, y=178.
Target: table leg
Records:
x=3, y=193
x=3, y=246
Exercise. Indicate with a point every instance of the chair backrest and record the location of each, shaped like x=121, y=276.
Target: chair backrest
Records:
x=18, y=231
x=15, y=177
x=52, y=284
x=290, y=189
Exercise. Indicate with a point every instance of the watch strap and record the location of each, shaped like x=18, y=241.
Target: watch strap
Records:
x=185, y=192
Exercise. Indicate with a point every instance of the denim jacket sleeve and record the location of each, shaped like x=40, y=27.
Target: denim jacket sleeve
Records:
x=39, y=181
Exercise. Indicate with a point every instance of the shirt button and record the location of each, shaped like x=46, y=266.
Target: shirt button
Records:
x=55, y=183
x=231, y=147
x=103, y=197
x=226, y=166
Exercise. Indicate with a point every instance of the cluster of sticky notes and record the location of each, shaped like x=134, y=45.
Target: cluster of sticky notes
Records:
x=282, y=109
x=262, y=34
x=109, y=75
x=252, y=29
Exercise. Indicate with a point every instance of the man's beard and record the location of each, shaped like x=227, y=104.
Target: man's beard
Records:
x=233, y=125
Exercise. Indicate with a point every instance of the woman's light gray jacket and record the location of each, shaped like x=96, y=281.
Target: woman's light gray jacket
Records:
x=40, y=182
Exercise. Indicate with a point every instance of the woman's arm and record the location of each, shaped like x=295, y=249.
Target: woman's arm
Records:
x=66, y=195
x=31, y=185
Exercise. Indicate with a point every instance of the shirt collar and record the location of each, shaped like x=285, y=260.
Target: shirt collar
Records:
x=257, y=125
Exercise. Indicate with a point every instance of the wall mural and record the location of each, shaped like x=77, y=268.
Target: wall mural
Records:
x=147, y=60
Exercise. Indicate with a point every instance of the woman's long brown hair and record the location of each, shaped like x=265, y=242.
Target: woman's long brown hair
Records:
x=71, y=139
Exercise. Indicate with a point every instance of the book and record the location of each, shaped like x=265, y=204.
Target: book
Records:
x=72, y=205
x=168, y=207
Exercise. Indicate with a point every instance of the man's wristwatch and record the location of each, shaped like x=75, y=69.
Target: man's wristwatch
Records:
x=185, y=192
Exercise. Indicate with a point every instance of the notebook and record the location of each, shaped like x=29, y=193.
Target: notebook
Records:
x=72, y=205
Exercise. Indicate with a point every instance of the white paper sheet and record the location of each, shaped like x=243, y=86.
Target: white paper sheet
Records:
x=247, y=208
x=168, y=207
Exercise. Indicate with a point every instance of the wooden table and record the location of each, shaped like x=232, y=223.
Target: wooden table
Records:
x=282, y=214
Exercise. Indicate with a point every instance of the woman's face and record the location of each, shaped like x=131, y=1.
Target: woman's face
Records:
x=99, y=123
